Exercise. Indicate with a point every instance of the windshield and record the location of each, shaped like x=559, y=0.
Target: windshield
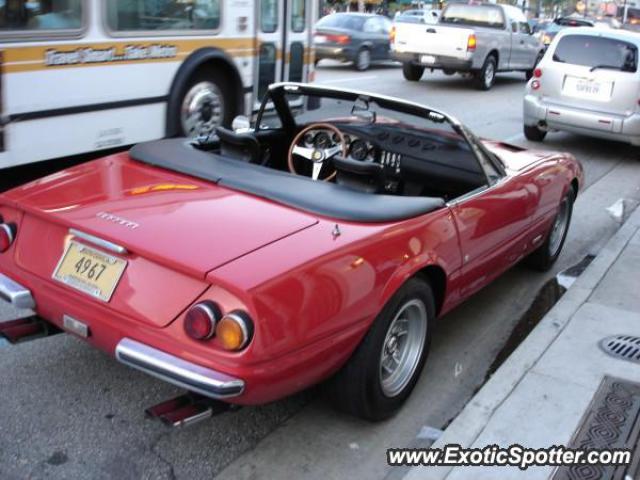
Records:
x=387, y=118
x=476, y=15
x=549, y=27
x=597, y=52
x=342, y=20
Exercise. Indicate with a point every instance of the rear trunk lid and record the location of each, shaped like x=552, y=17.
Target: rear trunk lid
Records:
x=332, y=36
x=175, y=228
x=436, y=40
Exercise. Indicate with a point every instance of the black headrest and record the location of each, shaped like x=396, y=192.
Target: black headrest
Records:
x=242, y=146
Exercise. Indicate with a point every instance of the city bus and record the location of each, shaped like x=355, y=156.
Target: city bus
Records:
x=80, y=76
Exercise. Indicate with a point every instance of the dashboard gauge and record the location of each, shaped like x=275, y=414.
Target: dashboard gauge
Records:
x=359, y=150
x=308, y=139
x=322, y=140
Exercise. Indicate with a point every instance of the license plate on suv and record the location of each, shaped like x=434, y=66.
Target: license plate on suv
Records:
x=587, y=88
x=427, y=59
x=89, y=270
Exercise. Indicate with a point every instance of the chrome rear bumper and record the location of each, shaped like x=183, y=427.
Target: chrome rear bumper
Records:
x=15, y=294
x=176, y=371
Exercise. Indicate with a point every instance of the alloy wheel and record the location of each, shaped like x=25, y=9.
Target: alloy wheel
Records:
x=402, y=347
x=202, y=109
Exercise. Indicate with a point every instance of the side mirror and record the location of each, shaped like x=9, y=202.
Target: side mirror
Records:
x=240, y=124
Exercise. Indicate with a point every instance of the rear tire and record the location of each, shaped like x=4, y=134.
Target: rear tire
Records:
x=373, y=385
x=546, y=254
x=206, y=102
x=412, y=72
x=533, y=133
x=486, y=76
x=363, y=60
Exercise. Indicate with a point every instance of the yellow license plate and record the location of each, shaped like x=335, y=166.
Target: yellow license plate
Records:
x=89, y=270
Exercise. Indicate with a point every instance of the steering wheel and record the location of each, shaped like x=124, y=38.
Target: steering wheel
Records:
x=318, y=155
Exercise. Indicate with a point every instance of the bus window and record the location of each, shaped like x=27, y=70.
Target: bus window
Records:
x=296, y=62
x=266, y=68
x=43, y=15
x=269, y=16
x=297, y=15
x=129, y=16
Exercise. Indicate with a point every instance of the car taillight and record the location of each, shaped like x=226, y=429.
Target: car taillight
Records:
x=235, y=330
x=537, y=72
x=392, y=34
x=471, y=43
x=7, y=235
x=201, y=320
x=341, y=39
x=535, y=85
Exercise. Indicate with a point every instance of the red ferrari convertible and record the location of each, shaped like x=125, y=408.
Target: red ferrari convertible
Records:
x=319, y=245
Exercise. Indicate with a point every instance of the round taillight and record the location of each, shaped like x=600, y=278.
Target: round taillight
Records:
x=201, y=319
x=235, y=330
x=537, y=72
x=535, y=85
x=7, y=235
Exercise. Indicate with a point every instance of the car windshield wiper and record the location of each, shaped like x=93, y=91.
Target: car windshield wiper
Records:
x=610, y=67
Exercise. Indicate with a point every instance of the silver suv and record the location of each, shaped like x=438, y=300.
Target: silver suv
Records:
x=587, y=83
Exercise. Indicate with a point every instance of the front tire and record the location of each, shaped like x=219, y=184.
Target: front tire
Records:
x=546, y=254
x=486, y=76
x=533, y=133
x=412, y=72
x=205, y=103
x=385, y=367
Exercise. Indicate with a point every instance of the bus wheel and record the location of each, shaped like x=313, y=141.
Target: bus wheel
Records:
x=207, y=103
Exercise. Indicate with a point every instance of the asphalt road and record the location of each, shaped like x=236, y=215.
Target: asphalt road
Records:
x=68, y=411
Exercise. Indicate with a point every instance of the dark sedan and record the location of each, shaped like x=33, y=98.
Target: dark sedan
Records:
x=547, y=31
x=353, y=37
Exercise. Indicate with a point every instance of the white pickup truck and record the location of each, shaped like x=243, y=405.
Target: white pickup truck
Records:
x=480, y=39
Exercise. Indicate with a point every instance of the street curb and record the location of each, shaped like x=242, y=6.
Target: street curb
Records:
x=475, y=416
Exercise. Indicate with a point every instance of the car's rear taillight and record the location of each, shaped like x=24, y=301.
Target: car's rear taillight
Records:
x=537, y=72
x=7, y=235
x=341, y=39
x=235, y=330
x=472, y=42
x=535, y=85
x=201, y=320
x=392, y=34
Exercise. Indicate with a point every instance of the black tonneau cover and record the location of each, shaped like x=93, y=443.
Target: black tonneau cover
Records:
x=320, y=198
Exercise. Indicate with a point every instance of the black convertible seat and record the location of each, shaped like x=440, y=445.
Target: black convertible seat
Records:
x=320, y=198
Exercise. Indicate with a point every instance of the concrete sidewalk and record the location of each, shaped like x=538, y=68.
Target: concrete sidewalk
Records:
x=539, y=396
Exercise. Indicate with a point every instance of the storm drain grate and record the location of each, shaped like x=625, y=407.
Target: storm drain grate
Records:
x=626, y=347
x=612, y=420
